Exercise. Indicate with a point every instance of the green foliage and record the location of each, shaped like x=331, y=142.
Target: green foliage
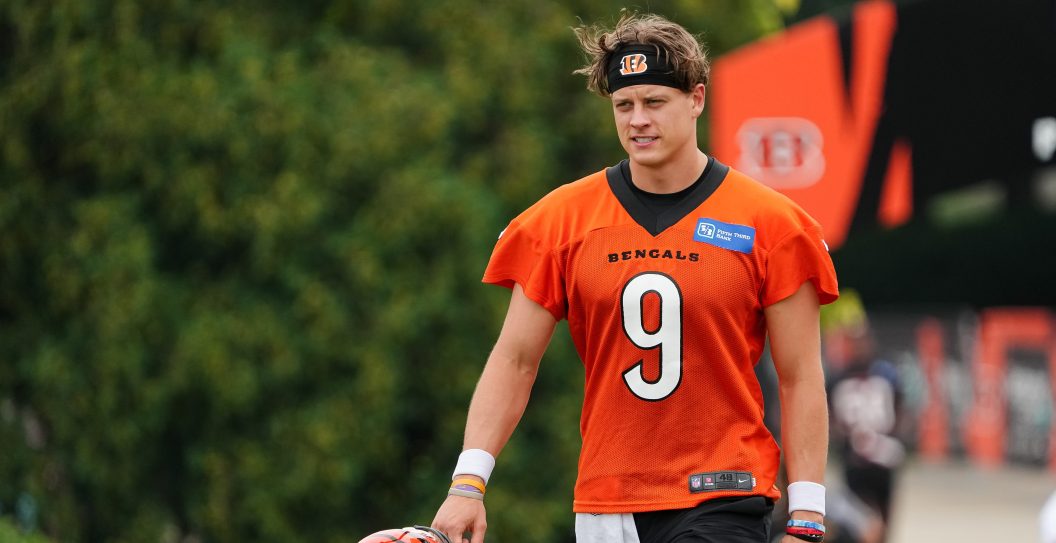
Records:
x=241, y=246
x=10, y=534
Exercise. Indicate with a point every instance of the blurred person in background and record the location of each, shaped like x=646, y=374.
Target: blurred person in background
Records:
x=865, y=405
x=672, y=269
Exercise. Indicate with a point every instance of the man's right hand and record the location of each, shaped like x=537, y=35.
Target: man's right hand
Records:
x=459, y=515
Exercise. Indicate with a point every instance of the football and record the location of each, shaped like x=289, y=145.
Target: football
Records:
x=415, y=534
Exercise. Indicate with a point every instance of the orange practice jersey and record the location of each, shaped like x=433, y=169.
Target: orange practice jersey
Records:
x=666, y=312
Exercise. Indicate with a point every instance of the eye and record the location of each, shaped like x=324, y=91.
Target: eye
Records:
x=654, y=101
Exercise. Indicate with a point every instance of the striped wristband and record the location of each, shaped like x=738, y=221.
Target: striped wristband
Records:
x=806, y=530
x=793, y=523
x=467, y=488
x=454, y=491
x=473, y=484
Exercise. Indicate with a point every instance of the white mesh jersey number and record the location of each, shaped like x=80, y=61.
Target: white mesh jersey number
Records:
x=667, y=337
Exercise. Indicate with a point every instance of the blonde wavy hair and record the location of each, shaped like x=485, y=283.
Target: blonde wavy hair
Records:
x=684, y=51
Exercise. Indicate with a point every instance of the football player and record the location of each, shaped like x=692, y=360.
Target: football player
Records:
x=672, y=269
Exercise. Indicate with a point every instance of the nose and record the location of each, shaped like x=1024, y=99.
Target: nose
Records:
x=639, y=118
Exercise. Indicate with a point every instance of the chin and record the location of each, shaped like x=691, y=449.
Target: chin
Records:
x=647, y=159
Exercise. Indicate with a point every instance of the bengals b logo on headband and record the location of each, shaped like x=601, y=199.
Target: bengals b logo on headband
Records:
x=633, y=64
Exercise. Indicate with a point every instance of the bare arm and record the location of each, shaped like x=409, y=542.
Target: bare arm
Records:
x=795, y=342
x=506, y=383
x=498, y=402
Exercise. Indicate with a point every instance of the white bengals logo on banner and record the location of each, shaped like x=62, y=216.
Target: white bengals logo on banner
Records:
x=783, y=152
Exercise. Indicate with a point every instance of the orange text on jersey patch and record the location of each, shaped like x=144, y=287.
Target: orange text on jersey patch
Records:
x=653, y=253
x=633, y=64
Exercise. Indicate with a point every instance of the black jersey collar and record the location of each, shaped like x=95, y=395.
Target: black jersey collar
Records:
x=619, y=178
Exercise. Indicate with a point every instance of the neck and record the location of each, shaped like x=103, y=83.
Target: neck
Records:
x=671, y=176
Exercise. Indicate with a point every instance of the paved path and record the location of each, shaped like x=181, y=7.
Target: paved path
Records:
x=958, y=503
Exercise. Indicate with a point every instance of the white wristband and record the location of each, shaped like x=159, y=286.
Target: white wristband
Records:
x=806, y=496
x=475, y=462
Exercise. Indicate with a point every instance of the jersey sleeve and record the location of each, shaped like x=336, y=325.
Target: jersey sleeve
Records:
x=800, y=257
x=521, y=258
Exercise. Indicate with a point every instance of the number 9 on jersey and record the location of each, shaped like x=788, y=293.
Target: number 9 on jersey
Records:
x=667, y=337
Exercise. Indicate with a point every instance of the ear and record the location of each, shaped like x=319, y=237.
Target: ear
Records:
x=696, y=94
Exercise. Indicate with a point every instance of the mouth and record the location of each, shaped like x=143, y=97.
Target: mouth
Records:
x=642, y=140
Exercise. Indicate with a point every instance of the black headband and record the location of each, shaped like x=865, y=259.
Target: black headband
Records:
x=640, y=64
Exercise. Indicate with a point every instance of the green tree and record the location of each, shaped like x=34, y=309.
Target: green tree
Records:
x=241, y=245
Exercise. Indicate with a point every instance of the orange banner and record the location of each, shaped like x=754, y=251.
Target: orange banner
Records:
x=783, y=112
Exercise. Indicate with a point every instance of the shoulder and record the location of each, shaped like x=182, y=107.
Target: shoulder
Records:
x=562, y=210
x=764, y=201
x=774, y=215
x=566, y=198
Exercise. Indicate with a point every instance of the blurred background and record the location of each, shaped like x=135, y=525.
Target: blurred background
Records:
x=241, y=244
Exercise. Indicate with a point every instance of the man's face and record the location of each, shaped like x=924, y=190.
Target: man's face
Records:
x=656, y=122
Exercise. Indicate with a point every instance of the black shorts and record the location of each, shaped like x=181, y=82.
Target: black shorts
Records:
x=726, y=520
